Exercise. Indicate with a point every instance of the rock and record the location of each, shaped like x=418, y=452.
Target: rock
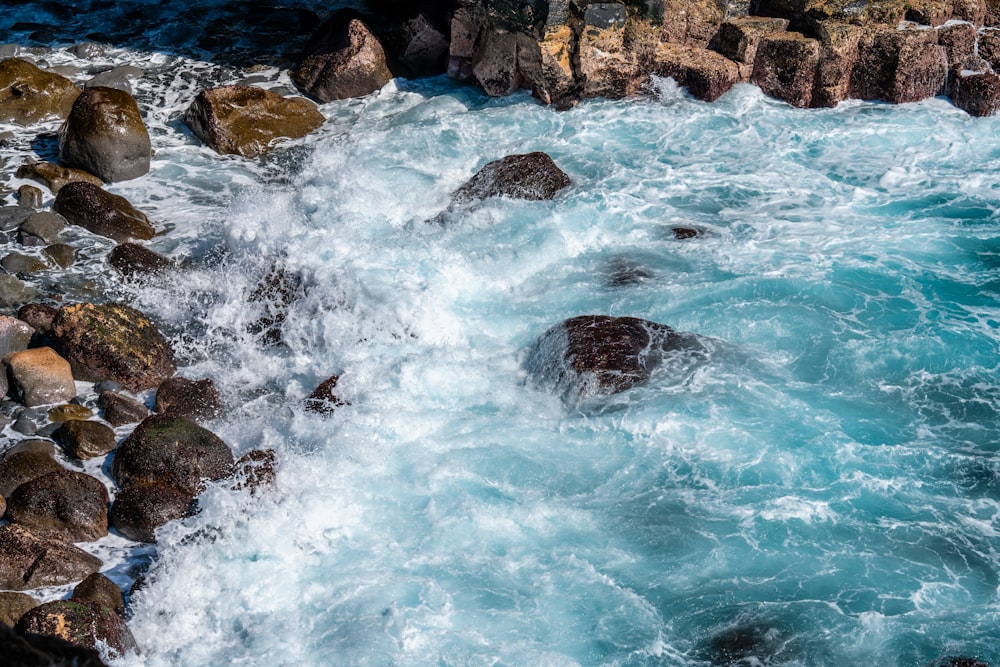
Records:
x=683, y=233
x=86, y=624
x=69, y=412
x=29, y=95
x=13, y=606
x=39, y=651
x=531, y=176
x=976, y=93
x=839, y=44
x=14, y=292
x=113, y=342
x=44, y=225
x=785, y=67
x=323, y=399
x=3, y=506
x=61, y=254
x=101, y=590
x=956, y=661
x=38, y=316
x=25, y=461
x=40, y=376
x=100, y=212
x=276, y=291
x=706, y=74
x=118, y=77
x=344, y=59
x=17, y=262
x=959, y=42
x=29, y=195
x=140, y=509
x=691, y=22
x=134, y=261
x=173, y=451
x=194, y=399
x=738, y=38
x=554, y=81
x=607, y=66
x=15, y=334
x=496, y=65
x=989, y=45
x=28, y=561
x=898, y=66
x=465, y=29
x=255, y=470
x=420, y=46
x=104, y=135
x=119, y=410
x=70, y=504
x=56, y=176
x=85, y=439
x=11, y=217
x=885, y=12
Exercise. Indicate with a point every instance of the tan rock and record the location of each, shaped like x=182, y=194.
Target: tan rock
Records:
x=691, y=22
x=739, y=38
x=15, y=605
x=555, y=80
x=706, y=74
x=29, y=95
x=40, y=376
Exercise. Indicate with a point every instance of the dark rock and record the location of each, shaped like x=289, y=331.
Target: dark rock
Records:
x=134, y=260
x=194, y=399
x=85, y=624
x=85, y=439
x=420, y=46
x=173, y=451
x=682, y=233
x=276, y=291
x=16, y=262
x=70, y=504
x=39, y=376
x=63, y=255
x=15, y=334
x=255, y=471
x=248, y=121
x=98, y=588
x=29, y=95
x=976, y=93
x=955, y=661
x=25, y=461
x=785, y=67
x=113, y=342
x=28, y=561
x=69, y=412
x=12, y=217
x=117, y=77
x=44, y=225
x=496, y=63
x=139, y=509
x=29, y=195
x=104, y=135
x=344, y=59
x=989, y=45
x=119, y=410
x=39, y=316
x=13, y=606
x=745, y=645
x=100, y=212
x=40, y=651
x=898, y=66
x=531, y=176
x=56, y=176
x=323, y=399
x=959, y=42
x=706, y=74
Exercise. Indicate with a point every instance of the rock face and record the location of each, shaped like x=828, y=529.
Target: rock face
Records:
x=70, y=504
x=28, y=561
x=104, y=135
x=40, y=376
x=247, y=121
x=345, y=59
x=140, y=509
x=785, y=67
x=102, y=213
x=976, y=93
x=29, y=95
x=113, y=342
x=706, y=74
x=81, y=623
x=899, y=66
x=530, y=176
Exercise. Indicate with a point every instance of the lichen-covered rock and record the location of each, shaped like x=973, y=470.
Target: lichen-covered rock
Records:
x=174, y=451
x=98, y=588
x=977, y=93
x=25, y=461
x=55, y=176
x=28, y=561
x=533, y=176
x=194, y=399
x=607, y=66
x=70, y=504
x=40, y=376
x=248, y=121
x=29, y=95
x=85, y=440
x=139, y=509
x=104, y=135
x=13, y=606
x=81, y=623
x=555, y=82
x=897, y=66
x=785, y=67
x=113, y=342
x=102, y=213
x=344, y=59
x=959, y=42
x=255, y=470
x=838, y=55
x=15, y=334
x=885, y=12
x=41, y=651
x=706, y=74
x=119, y=410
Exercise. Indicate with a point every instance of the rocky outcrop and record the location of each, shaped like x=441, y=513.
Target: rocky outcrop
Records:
x=785, y=67
x=29, y=95
x=899, y=66
x=531, y=176
x=104, y=135
x=42, y=651
x=69, y=504
x=81, y=623
x=28, y=561
x=420, y=46
x=977, y=93
x=248, y=121
x=40, y=376
x=102, y=213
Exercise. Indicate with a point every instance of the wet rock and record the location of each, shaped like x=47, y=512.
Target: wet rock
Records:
x=86, y=624
x=248, y=121
x=101, y=590
x=420, y=46
x=14, y=292
x=496, y=65
x=323, y=398
x=102, y=213
x=683, y=233
x=607, y=65
x=70, y=504
x=988, y=46
x=69, y=412
x=886, y=12
x=15, y=334
x=738, y=38
x=976, y=93
x=255, y=470
x=29, y=195
x=44, y=225
x=531, y=176
x=13, y=606
x=39, y=651
x=28, y=561
x=174, y=451
x=29, y=95
x=706, y=74
x=11, y=217
x=194, y=399
x=39, y=316
x=957, y=661
x=56, y=176
x=120, y=410
x=139, y=509
x=344, y=59
x=40, y=376
x=113, y=342
x=276, y=291
x=785, y=67
x=554, y=81
x=134, y=261
x=25, y=461
x=898, y=66
x=104, y=135
x=20, y=263
x=119, y=77
x=85, y=440
x=61, y=254
x=839, y=43
x=959, y=42
x=745, y=645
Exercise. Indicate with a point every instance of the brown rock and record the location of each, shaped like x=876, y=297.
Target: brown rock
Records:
x=119, y=410
x=40, y=376
x=15, y=605
x=465, y=29
x=194, y=399
x=554, y=82
x=977, y=93
x=607, y=66
x=100, y=212
x=838, y=55
x=691, y=22
x=248, y=121
x=959, y=42
x=25, y=461
x=98, y=588
x=785, y=67
x=70, y=504
x=113, y=342
x=55, y=176
x=973, y=11
x=62, y=255
x=28, y=561
x=929, y=12
x=29, y=95
x=17, y=262
x=255, y=470
x=69, y=412
x=706, y=74
x=738, y=38
x=85, y=624
x=140, y=509
x=898, y=65
x=85, y=440
x=531, y=176
x=323, y=399
x=29, y=195
x=134, y=261
x=495, y=64
x=104, y=135
x=38, y=315
x=885, y=12
x=989, y=46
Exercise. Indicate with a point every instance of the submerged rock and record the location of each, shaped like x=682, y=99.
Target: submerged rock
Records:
x=29, y=95
x=28, y=561
x=133, y=260
x=323, y=399
x=255, y=470
x=104, y=135
x=531, y=176
x=85, y=440
x=66, y=503
x=81, y=623
x=102, y=213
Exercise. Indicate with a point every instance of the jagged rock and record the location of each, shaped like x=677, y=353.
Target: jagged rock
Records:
x=139, y=509
x=28, y=561
x=62, y=255
x=29, y=195
x=13, y=606
x=69, y=412
x=101, y=590
x=495, y=64
x=39, y=651
x=44, y=225
x=15, y=334
x=531, y=176
x=465, y=29
x=555, y=82
x=134, y=260
x=785, y=67
x=323, y=399
x=174, y=451
x=85, y=624
x=692, y=22
x=897, y=66
x=20, y=263
x=194, y=399
x=989, y=45
x=55, y=176
x=738, y=38
x=113, y=342
x=247, y=121
x=14, y=292
x=345, y=59
x=255, y=470
x=100, y=212
x=84, y=440
x=420, y=46
x=29, y=95
x=706, y=74
x=957, y=661
x=39, y=316
x=104, y=135
x=25, y=461
x=976, y=93
x=70, y=504
x=40, y=376
x=119, y=410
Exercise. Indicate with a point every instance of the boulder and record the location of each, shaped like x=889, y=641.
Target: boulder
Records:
x=40, y=376
x=66, y=503
x=739, y=37
x=98, y=588
x=554, y=81
x=959, y=42
x=104, y=135
x=81, y=623
x=117, y=77
x=20, y=263
x=194, y=399
x=989, y=45
x=85, y=440
x=884, y=12
x=55, y=176
x=29, y=195
x=706, y=74
x=323, y=398
x=15, y=334
x=495, y=64
x=248, y=121
x=25, y=461
x=977, y=93
x=28, y=561
x=255, y=470
x=531, y=176
x=11, y=217
x=62, y=255
x=39, y=651
x=29, y=95
x=39, y=316
x=45, y=226
x=420, y=46
x=140, y=509
x=607, y=65
x=174, y=451
x=906, y=65
x=465, y=28
x=113, y=342
x=120, y=410
x=102, y=213
x=785, y=67
x=135, y=261
x=344, y=59
x=13, y=606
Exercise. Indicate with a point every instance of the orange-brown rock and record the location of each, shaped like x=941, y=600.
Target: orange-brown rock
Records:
x=55, y=176
x=29, y=95
x=40, y=376
x=738, y=38
x=706, y=74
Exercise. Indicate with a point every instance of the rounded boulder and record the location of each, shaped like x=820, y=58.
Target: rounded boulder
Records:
x=104, y=135
x=70, y=504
